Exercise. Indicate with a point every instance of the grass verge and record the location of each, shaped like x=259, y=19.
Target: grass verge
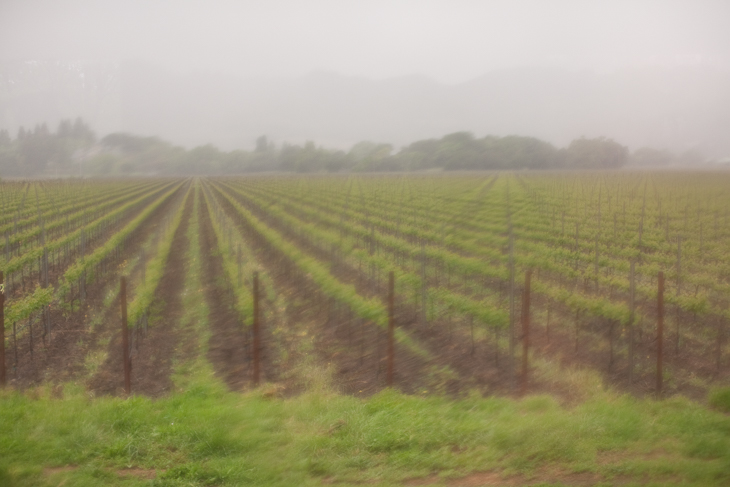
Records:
x=207, y=436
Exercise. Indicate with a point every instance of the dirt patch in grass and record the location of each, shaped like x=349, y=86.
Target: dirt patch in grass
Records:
x=48, y=471
x=140, y=473
x=542, y=476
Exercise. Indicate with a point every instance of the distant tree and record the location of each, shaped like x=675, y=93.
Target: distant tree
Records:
x=9, y=160
x=131, y=144
x=82, y=131
x=263, y=144
x=288, y=157
x=264, y=157
x=36, y=150
x=600, y=153
x=371, y=156
x=41, y=130
x=235, y=162
x=419, y=155
x=459, y=150
x=518, y=152
x=310, y=158
x=204, y=159
x=335, y=161
x=65, y=129
x=70, y=138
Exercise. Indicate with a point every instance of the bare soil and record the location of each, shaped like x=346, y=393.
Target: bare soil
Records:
x=355, y=349
x=152, y=355
x=60, y=357
x=229, y=348
x=593, y=349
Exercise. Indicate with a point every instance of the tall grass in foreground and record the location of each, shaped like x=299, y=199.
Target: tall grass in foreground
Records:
x=206, y=436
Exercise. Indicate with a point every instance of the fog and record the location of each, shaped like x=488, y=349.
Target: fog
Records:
x=337, y=72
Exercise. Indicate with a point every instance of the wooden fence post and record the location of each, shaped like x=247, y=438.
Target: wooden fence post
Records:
x=2, y=329
x=391, y=328
x=424, y=285
x=660, y=334
x=525, y=329
x=632, y=314
x=125, y=338
x=256, y=330
x=512, y=371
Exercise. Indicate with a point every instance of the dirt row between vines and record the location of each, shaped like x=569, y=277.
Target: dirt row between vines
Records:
x=481, y=365
x=63, y=355
x=354, y=349
x=456, y=364
x=448, y=350
x=152, y=355
x=229, y=347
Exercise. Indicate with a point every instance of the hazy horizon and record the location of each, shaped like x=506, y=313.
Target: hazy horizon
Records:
x=644, y=73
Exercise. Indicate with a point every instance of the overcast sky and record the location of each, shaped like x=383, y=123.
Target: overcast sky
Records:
x=450, y=41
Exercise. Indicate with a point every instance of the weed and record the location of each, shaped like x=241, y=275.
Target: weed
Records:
x=719, y=398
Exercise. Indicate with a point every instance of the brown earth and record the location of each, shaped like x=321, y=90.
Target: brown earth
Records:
x=229, y=348
x=542, y=477
x=593, y=350
x=355, y=349
x=478, y=370
x=61, y=355
x=153, y=353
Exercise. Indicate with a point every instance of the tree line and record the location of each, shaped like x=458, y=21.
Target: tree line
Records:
x=75, y=150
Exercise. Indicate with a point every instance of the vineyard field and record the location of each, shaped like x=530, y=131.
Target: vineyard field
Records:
x=525, y=293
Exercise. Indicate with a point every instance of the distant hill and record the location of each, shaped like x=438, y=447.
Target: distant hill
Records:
x=678, y=109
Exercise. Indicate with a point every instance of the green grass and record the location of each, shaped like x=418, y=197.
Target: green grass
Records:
x=720, y=399
x=207, y=436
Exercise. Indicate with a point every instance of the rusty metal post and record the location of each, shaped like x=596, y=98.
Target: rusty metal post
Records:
x=391, y=328
x=125, y=338
x=45, y=267
x=679, y=289
x=525, y=329
x=2, y=329
x=512, y=344
x=660, y=334
x=256, y=330
x=632, y=315
x=239, y=258
x=424, y=286
x=143, y=258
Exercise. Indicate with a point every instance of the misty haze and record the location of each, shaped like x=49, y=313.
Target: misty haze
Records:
x=644, y=75
x=338, y=242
